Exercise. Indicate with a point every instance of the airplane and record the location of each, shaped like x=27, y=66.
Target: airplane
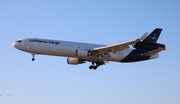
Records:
x=140, y=49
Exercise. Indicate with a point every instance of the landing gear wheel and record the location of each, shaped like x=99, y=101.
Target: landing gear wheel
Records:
x=94, y=67
x=98, y=64
x=33, y=59
x=90, y=67
x=102, y=63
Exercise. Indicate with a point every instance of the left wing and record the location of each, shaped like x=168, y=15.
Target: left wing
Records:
x=116, y=47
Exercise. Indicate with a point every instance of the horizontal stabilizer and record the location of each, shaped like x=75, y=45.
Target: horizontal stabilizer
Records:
x=153, y=52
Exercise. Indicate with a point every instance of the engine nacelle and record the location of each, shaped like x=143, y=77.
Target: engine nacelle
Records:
x=83, y=53
x=74, y=61
x=148, y=46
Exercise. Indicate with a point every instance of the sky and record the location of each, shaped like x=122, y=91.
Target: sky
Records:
x=50, y=80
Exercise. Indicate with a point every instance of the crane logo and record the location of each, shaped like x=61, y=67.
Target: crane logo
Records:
x=153, y=38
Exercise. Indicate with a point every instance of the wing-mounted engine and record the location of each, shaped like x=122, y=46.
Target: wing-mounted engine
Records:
x=79, y=53
x=83, y=53
x=74, y=61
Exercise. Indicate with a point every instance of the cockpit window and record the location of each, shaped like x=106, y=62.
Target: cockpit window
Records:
x=18, y=41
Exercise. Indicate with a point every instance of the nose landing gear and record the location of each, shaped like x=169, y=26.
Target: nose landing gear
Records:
x=33, y=59
x=33, y=56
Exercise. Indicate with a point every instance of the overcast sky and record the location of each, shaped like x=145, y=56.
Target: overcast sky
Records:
x=50, y=80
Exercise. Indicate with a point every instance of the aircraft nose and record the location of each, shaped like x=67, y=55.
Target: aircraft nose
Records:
x=14, y=45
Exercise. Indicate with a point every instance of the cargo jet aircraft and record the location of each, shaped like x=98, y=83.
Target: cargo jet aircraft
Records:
x=144, y=48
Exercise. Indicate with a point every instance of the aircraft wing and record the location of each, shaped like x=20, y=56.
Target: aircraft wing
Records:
x=116, y=47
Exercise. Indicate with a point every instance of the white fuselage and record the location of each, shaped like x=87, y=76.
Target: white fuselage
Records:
x=64, y=48
x=144, y=48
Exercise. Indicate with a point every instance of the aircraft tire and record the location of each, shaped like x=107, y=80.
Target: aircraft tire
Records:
x=90, y=67
x=33, y=59
x=94, y=67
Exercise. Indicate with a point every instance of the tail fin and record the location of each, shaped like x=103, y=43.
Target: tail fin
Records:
x=153, y=36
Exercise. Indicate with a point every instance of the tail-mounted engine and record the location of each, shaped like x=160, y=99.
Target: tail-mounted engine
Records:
x=148, y=46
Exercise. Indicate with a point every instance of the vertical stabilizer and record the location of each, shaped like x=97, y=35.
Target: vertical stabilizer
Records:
x=153, y=36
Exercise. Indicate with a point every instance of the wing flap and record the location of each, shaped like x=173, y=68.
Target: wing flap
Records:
x=116, y=47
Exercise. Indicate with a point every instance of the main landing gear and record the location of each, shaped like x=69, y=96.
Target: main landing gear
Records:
x=33, y=56
x=98, y=63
